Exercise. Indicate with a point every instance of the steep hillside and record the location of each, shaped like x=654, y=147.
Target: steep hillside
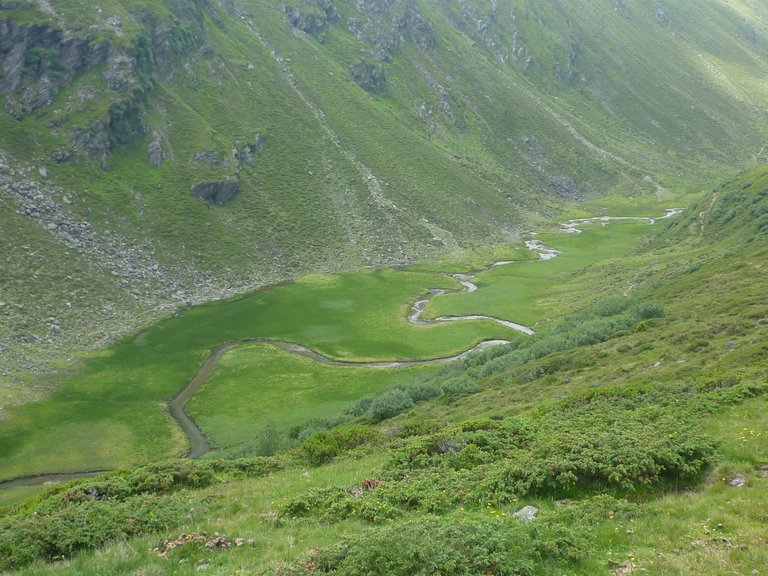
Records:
x=161, y=153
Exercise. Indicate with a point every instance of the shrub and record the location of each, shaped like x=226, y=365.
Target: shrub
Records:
x=458, y=385
x=64, y=530
x=420, y=391
x=440, y=545
x=389, y=404
x=361, y=406
x=323, y=446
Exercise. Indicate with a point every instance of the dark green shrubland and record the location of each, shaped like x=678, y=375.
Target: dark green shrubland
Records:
x=624, y=441
x=323, y=446
x=85, y=514
x=447, y=545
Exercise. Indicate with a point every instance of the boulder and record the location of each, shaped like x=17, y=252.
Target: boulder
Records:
x=527, y=514
x=217, y=193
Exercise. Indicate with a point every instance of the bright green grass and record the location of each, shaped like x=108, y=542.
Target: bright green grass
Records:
x=257, y=386
x=114, y=412
x=11, y=496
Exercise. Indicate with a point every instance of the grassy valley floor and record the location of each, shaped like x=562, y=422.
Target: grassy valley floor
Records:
x=633, y=420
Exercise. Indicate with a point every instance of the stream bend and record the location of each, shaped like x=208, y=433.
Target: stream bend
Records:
x=199, y=445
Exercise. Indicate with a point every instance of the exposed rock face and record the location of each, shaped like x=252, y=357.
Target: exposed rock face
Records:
x=119, y=72
x=241, y=153
x=157, y=148
x=371, y=77
x=314, y=20
x=93, y=142
x=386, y=25
x=244, y=152
x=38, y=61
x=214, y=157
x=217, y=193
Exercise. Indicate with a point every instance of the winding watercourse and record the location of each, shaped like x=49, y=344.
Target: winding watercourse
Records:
x=199, y=444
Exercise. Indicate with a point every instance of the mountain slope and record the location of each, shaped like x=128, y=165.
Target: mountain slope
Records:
x=176, y=151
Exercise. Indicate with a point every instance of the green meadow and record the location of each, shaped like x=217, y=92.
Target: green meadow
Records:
x=259, y=391
x=534, y=291
x=113, y=412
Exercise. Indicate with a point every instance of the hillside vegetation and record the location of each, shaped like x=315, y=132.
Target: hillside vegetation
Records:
x=161, y=153
x=285, y=287
x=634, y=426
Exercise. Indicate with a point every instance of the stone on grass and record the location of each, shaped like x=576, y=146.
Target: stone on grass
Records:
x=526, y=514
x=738, y=481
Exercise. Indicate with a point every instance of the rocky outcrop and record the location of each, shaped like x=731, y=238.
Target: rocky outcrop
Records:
x=386, y=25
x=158, y=148
x=241, y=153
x=39, y=60
x=244, y=152
x=371, y=77
x=481, y=26
x=217, y=193
x=93, y=142
x=314, y=19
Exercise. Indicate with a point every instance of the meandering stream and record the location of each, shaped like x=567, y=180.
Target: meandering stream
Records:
x=199, y=444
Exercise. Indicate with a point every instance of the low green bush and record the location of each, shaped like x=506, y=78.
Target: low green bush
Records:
x=159, y=478
x=616, y=441
x=389, y=403
x=323, y=446
x=419, y=391
x=86, y=513
x=79, y=525
x=447, y=545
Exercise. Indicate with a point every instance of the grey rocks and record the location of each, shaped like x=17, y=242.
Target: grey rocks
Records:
x=313, y=22
x=94, y=142
x=527, y=514
x=371, y=77
x=37, y=61
x=158, y=148
x=737, y=481
x=240, y=154
x=217, y=193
